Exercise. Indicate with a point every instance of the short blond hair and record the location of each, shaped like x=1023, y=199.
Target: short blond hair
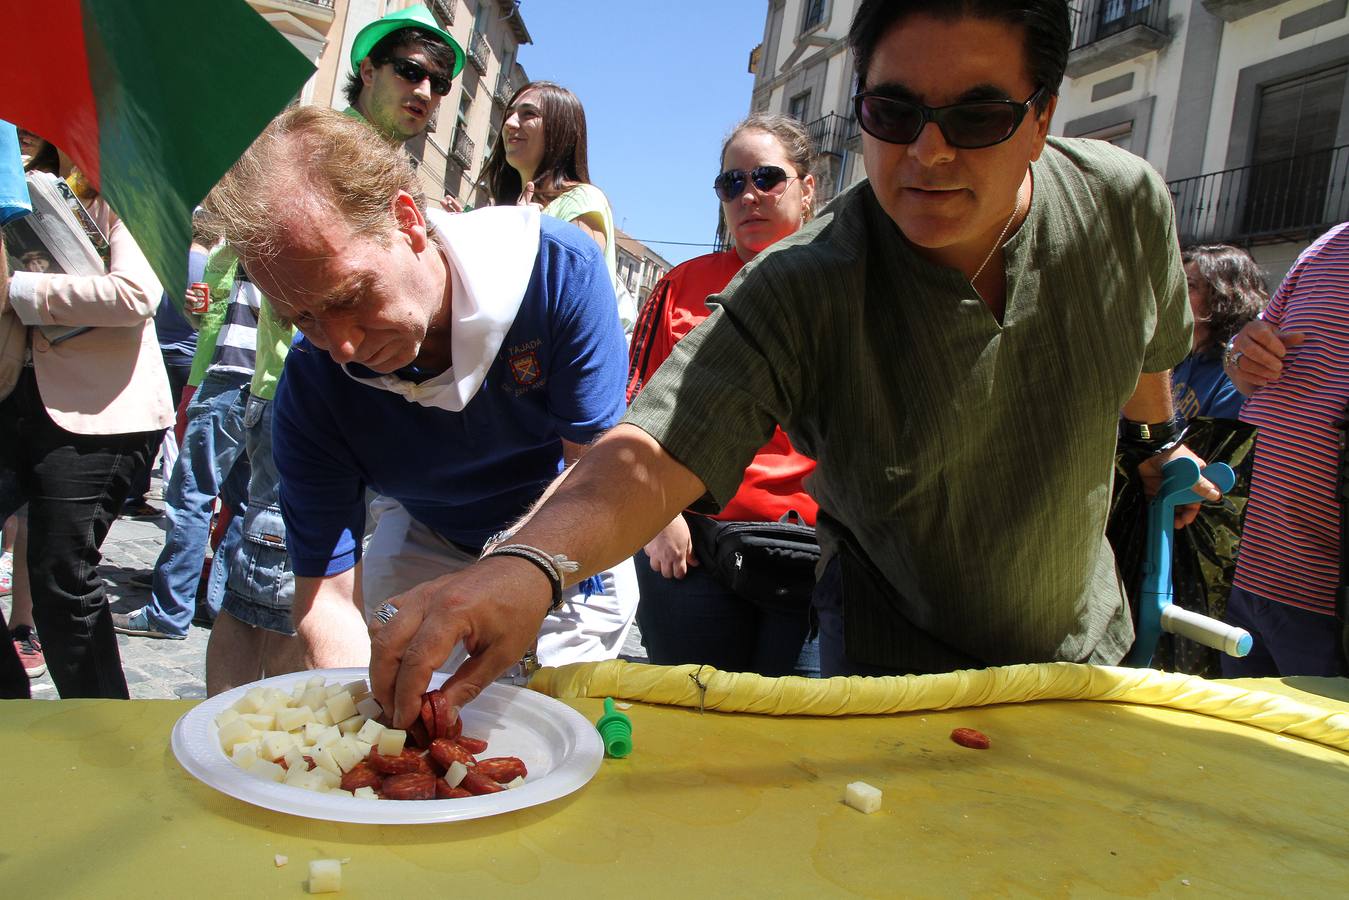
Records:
x=312, y=154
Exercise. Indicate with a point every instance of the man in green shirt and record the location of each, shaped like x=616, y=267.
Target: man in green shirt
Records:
x=401, y=67
x=953, y=341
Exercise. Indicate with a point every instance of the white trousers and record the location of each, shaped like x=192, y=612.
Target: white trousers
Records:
x=403, y=553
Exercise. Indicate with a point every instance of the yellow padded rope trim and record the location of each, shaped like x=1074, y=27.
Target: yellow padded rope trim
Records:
x=738, y=692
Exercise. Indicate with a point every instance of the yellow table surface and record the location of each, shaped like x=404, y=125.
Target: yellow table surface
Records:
x=1073, y=798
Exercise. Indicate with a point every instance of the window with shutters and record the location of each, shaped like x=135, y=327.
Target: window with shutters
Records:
x=1293, y=153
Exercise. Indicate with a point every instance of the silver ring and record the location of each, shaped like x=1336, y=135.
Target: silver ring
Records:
x=1236, y=359
x=386, y=612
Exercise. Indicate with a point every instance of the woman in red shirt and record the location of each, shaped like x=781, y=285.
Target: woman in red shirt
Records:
x=686, y=615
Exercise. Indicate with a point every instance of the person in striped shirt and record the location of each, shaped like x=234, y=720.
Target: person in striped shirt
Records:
x=1293, y=365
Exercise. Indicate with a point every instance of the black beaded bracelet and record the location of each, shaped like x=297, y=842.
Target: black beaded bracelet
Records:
x=554, y=578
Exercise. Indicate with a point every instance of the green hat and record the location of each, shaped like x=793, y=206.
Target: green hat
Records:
x=412, y=17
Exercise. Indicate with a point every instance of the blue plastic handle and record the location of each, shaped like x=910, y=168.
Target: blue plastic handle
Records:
x=1179, y=477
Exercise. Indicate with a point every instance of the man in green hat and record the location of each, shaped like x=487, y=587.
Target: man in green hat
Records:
x=401, y=67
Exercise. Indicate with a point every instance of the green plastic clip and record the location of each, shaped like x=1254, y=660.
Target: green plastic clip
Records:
x=615, y=730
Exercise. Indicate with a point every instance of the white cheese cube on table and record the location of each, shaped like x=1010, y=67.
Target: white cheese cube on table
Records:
x=352, y=725
x=862, y=797
x=325, y=876
x=226, y=716
x=365, y=793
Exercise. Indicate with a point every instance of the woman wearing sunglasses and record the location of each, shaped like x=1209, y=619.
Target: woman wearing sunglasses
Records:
x=540, y=157
x=687, y=614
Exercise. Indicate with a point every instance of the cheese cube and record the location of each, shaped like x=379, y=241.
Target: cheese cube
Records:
x=364, y=748
x=862, y=797
x=235, y=732
x=324, y=760
x=345, y=755
x=365, y=793
x=341, y=706
x=327, y=780
x=315, y=681
x=323, y=717
x=312, y=730
x=455, y=773
x=291, y=719
x=330, y=690
x=274, y=744
x=352, y=725
x=314, y=698
x=370, y=708
x=357, y=689
x=267, y=771
x=252, y=701
x=260, y=721
x=391, y=741
x=226, y=716
x=515, y=782
x=276, y=701
x=295, y=760
x=245, y=754
x=298, y=691
x=325, y=876
x=370, y=732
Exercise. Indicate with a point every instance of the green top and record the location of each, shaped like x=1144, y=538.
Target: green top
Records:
x=220, y=266
x=969, y=461
x=274, y=339
x=582, y=200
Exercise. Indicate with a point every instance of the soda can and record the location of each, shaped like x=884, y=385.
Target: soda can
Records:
x=201, y=298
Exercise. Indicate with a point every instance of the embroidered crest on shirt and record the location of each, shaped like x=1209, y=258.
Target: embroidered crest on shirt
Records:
x=525, y=367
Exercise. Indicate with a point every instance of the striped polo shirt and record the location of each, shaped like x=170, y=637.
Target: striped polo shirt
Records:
x=236, y=346
x=1290, y=543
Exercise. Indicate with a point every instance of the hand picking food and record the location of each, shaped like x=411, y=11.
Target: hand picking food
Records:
x=327, y=738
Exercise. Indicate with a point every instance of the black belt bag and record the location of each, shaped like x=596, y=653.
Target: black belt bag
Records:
x=770, y=564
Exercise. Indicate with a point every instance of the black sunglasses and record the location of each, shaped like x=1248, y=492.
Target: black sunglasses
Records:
x=969, y=126
x=730, y=184
x=415, y=73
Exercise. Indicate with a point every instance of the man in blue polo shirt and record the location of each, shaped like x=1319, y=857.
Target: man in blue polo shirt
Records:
x=452, y=363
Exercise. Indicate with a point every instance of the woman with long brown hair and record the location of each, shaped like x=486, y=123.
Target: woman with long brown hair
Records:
x=541, y=157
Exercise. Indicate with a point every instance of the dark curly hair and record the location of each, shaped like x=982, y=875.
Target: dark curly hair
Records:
x=1236, y=290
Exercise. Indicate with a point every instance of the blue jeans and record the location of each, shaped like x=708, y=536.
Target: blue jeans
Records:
x=1288, y=640
x=261, y=584
x=211, y=464
x=697, y=620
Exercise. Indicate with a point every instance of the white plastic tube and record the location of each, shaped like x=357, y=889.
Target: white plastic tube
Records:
x=1229, y=639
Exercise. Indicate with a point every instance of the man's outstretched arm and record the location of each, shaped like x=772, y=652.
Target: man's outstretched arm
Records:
x=601, y=511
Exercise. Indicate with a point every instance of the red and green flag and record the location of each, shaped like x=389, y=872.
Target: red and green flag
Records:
x=152, y=99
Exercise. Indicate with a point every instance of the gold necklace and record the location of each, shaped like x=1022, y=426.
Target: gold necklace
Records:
x=998, y=243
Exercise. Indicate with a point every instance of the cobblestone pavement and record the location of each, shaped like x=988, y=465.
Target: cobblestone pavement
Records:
x=163, y=669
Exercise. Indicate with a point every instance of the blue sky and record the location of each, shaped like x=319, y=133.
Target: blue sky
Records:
x=662, y=83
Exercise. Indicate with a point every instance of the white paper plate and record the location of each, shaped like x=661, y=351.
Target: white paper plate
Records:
x=559, y=747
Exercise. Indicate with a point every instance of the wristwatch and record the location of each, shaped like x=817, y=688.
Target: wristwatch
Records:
x=1155, y=437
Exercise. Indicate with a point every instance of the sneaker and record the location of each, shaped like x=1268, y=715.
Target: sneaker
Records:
x=137, y=624
x=6, y=574
x=139, y=509
x=30, y=650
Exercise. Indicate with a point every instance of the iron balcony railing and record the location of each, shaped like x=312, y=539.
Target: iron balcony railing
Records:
x=444, y=9
x=830, y=133
x=461, y=148
x=1287, y=198
x=478, y=52
x=1095, y=20
x=506, y=86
